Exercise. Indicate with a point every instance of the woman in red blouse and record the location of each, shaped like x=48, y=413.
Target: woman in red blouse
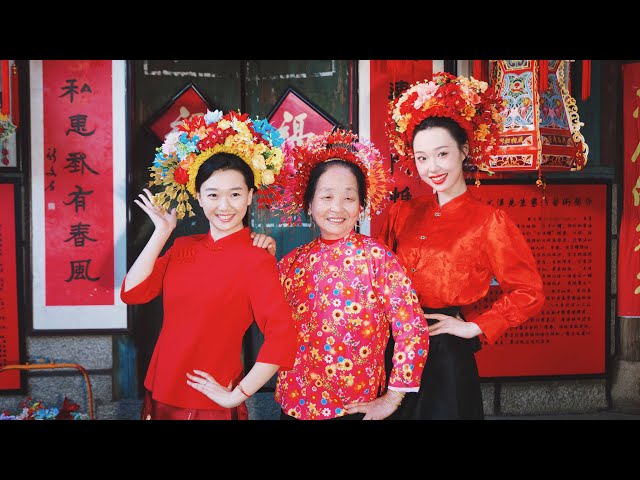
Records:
x=347, y=290
x=453, y=244
x=210, y=298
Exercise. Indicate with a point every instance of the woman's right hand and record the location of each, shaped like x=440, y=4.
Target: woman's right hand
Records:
x=163, y=220
x=262, y=240
x=377, y=409
x=455, y=326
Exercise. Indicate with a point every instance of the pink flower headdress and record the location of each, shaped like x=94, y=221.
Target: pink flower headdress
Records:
x=336, y=145
x=198, y=138
x=471, y=103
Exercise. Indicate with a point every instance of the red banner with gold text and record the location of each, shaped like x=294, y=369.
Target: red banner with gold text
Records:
x=629, y=238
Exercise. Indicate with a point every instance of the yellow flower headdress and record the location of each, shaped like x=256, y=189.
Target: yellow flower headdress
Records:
x=183, y=152
x=339, y=144
x=471, y=103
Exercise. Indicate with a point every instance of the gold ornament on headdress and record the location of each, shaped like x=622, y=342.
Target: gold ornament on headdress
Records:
x=200, y=137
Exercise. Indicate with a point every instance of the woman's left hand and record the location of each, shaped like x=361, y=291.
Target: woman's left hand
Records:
x=377, y=409
x=452, y=325
x=206, y=384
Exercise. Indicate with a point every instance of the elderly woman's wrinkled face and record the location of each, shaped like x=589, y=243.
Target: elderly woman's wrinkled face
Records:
x=335, y=206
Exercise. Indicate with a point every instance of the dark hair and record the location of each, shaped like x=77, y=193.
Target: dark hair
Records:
x=455, y=130
x=226, y=161
x=319, y=169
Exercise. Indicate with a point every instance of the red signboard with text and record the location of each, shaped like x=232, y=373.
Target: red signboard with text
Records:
x=9, y=325
x=78, y=169
x=567, y=233
x=296, y=118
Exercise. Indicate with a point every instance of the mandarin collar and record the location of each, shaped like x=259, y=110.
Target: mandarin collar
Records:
x=234, y=238
x=330, y=243
x=453, y=205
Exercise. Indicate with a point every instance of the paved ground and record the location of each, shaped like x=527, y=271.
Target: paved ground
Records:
x=262, y=406
x=604, y=415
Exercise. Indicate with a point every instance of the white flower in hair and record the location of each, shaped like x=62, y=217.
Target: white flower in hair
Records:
x=212, y=117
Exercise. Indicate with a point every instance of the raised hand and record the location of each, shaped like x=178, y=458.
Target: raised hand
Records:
x=162, y=219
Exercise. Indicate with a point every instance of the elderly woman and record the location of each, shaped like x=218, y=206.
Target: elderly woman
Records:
x=348, y=292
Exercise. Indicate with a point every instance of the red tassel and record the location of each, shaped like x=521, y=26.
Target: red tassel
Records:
x=6, y=109
x=586, y=79
x=480, y=70
x=409, y=67
x=544, y=76
x=15, y=106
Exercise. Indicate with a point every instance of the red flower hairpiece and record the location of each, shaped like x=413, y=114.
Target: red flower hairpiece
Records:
x=471, y=103
x=299, y=160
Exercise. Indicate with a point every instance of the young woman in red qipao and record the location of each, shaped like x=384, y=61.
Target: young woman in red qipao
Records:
x=454, y=244
x=347, y=290
x=213, y=285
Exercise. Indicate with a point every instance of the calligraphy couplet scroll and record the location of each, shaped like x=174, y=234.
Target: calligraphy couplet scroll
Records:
x=567, y=233
x=78, y=169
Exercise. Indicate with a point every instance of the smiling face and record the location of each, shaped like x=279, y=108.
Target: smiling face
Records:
x=336, y=203
x=225, y=197
x=439, y=162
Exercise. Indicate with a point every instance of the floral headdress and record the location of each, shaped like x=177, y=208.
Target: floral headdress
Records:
x=337, y=145
x=470, y=102
x=198, y=138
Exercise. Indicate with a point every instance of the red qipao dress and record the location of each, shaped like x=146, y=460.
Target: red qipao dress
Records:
x=212, y=291
x=451, y=254
x=345, y=295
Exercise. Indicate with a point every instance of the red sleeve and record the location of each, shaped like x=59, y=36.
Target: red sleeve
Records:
x=387, y=233
x=515, y=269
x=151, y=286
x=272, y=314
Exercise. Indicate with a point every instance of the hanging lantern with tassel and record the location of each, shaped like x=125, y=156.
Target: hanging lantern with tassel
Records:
x=541, y=122
x=9, y=99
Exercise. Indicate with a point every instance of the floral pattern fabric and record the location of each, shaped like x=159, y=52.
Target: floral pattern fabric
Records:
x=345, y=295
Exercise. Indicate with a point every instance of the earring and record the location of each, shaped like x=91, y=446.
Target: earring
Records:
x=361, y=219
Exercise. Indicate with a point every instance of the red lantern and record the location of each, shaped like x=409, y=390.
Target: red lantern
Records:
x=541, y=122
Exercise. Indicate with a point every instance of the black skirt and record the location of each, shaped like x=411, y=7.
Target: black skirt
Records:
x=450, y=384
